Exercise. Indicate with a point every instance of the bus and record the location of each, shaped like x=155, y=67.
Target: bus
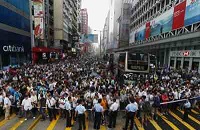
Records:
x=126, y=66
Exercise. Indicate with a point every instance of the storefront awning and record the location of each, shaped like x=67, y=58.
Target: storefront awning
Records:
x=45, y=49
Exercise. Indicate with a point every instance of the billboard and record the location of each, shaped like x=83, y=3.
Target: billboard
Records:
x=140, y=34
x=162, y=23
x=132, y=38
x=178, y=16
x=192, y=13
x=38, y=19
x=89, y=38
x=39, y=28
x=148, y=30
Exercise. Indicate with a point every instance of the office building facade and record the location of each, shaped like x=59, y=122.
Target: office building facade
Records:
x=15, y=36
x=170, y=29
x=84, y=21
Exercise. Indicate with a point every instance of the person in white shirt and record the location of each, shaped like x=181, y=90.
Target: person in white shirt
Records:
x=51, y=102
x=113, y=114
x=1, y=104
x=27, y=106
x=68, y=109
x=34, y=103
x=7, y=104
x=61, y=102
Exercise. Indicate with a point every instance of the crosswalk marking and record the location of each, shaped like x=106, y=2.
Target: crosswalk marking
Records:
x=154, y=124
x=53, y=123
x=5, y=121
x=34, y=123
x=138, y=124
x=168, y=122
x=192, y=118
x=102, y=127
x=180, y=120
x=17, y=124
x=195, y=112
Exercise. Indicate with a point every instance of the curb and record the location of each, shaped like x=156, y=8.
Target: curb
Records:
x=34, y=123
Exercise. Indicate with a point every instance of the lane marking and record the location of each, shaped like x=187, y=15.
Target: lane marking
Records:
x=3, y=122
x=192, y=118
x=70, y=128
x=138, y=124
x=17, y=124
x=195, y=112
x=168, y=122
x=154, y=124
x=31, y=127
x=53, y=123
x=180, y=120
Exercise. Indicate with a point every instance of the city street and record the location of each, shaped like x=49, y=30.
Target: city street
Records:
x=172, y=121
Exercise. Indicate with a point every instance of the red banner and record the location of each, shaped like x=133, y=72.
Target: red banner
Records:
x=179, y=14
x=148, y=30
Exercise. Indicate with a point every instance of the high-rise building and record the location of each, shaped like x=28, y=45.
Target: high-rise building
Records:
x=84, y=21
x=168, y=29
x=66, y=15
x=15, y=36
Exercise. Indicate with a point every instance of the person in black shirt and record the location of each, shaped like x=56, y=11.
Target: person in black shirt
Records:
x=42, y=106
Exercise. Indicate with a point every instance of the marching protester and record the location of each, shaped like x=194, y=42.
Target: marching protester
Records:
x=68, y=109
x=7, y=105
x=113, y=114
x=61, y=85
x=51, y=102
x=187, y=107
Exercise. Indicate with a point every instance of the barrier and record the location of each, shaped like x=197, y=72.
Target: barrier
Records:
x=163, y=103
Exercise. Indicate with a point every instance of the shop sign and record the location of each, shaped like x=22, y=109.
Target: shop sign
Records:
x=185, y=53
x=44, y=56
x=13, y=48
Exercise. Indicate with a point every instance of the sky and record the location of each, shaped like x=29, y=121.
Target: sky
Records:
x=97, y=12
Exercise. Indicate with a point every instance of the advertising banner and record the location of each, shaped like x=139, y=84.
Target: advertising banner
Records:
x=179, y=14
x=162, y=23
x=192, y=13
x=39, y=28
x=148, y=30
x=140, y=33
x=132, y=37
x=90, y=38
x=39, y=19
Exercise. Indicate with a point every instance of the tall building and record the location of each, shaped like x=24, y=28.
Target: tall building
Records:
x=170, y=29
x=114, y=14
x=106, y=33
x=84, y=21
x=43, y=28
x=66, y=23
x=124, y=23
x=15, y=36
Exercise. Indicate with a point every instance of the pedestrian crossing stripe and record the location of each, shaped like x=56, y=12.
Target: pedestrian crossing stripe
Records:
x=154, y=124
x=195, y=112
x=18, y=124
x=69, y=128
x=34, y=123
x=5, y=121
x=168, y=122
x=138, y=124
x=53, y=123
x=180, y=120
x=192, y=118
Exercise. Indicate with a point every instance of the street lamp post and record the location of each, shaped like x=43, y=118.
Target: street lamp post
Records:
x=100, y=41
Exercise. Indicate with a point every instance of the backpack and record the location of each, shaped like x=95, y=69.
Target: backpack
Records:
x=146, y=106
x=156, y=101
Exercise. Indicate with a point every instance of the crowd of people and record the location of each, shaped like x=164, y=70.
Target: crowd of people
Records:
x=76, y=85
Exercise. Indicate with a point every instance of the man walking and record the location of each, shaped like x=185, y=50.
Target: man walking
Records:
x=113, y=114
x=187, y=107
x=68, y=112
x=7, y=104
x=51, y=102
